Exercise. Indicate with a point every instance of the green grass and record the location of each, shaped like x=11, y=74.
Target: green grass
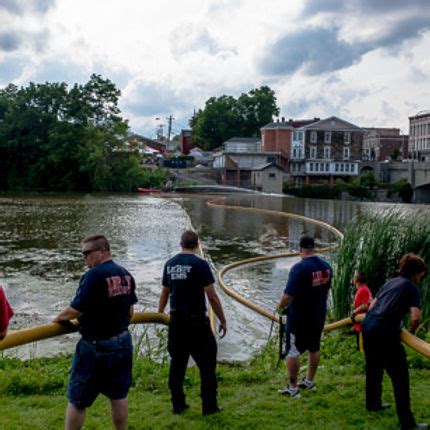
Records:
x=374, y=243
x=32, y=394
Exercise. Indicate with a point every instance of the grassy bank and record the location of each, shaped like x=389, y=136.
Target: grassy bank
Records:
x=32, y=395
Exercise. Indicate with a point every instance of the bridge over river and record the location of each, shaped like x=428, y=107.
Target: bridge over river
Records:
x=416, y=173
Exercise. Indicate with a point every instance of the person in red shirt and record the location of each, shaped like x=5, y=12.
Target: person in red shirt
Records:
x=362, y=300
x=6, y=314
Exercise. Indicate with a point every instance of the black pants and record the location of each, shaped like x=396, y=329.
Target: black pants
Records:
x=192, y=336
x=383, y=351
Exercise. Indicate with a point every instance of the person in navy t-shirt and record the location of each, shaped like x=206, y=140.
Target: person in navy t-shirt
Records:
x=305, y=300
x=381, y=327
x=103, y=305
x=187, y=279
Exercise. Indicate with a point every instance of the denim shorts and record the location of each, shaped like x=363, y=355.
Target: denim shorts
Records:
x=100, y=366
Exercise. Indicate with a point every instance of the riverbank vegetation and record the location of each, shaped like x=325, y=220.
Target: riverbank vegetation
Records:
x=56, y=138
x=363, y=188
x=32, y=394
x=374, y=243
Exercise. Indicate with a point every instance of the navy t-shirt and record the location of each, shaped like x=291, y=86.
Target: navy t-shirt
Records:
x=394, y=300
x=186, y=275
x=308, y=284
x=104, y=297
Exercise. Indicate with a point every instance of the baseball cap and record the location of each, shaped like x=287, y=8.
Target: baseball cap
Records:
x=307, y=242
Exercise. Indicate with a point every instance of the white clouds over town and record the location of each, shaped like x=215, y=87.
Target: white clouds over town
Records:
x=363, y=60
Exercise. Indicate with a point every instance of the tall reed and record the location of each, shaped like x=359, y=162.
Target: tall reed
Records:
x=373, y=244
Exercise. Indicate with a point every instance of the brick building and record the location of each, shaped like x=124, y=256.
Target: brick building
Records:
x=380, y=144
x=325, y=150
x=278, y=136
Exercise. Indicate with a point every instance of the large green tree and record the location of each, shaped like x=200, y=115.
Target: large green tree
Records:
x=225, y=117
x=56, y=138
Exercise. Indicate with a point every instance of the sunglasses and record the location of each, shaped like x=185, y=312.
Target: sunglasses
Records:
x=87, y=252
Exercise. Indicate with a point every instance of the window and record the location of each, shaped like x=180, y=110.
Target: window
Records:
x=346, y=153
x=272, y=175
x=313, y=137
x=311, y=167
x=327, y=167
x=300, y=133
x=321, y=167
x=346, y=167
x=336, y=167
x=295, y=135
x=352, y=168
x=271, y=159
x=313, y=152
x=341, y=167
x=347, y=138
x=327, y=152
x=294, y=153
x=327, y=137
x=316, y=167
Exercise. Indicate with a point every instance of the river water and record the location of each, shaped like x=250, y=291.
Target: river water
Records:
x=41, y=263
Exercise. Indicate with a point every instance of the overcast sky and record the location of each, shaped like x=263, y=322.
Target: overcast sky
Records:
x=366, y=61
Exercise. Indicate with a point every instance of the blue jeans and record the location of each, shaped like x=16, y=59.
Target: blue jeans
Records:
x=100, y=366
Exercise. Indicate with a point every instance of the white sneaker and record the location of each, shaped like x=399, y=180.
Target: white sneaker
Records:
x=290, y=392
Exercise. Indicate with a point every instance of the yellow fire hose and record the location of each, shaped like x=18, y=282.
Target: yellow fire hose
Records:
x=45, y=331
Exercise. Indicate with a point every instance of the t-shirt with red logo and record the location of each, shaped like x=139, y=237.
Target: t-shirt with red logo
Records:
x=308, y=284
x=363, y=296
x=6, y=311
x=104, y=297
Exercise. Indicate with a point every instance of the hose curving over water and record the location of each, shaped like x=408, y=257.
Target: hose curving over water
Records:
x=408, y=338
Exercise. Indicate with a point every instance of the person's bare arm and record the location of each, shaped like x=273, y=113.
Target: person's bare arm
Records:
x=361, y=309
x=372, y=303
x=217, y=307
x=415, y=314
x=286, y=299
x=164, y=297
x=67, y=314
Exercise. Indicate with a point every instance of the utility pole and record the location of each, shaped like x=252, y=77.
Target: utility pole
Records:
x=170, y=119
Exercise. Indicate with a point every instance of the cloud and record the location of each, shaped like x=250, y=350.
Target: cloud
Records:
x=317, y=50
x=143, y=98
x=364, y=6
x=9, y=41
x=23, y=7
x=14, y=40
x=10, y=70
x=190, y=39
x=55, y=70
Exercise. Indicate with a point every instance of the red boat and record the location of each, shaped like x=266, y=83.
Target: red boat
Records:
x=148, y=190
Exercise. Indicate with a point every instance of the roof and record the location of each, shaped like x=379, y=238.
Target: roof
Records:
x=290, y=124
x=244, y=139
x=333, y=123
x=267, y=165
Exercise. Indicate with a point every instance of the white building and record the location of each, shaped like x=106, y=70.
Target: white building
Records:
x=419, y=136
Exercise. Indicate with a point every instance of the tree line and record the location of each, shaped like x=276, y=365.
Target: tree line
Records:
x=53, y=137
x=225, y=117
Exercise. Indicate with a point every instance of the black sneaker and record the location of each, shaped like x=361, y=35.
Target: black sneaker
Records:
x=180, y=409
x=212, y=411
x=381, y=408
x=290, y=392
x=307, y=385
